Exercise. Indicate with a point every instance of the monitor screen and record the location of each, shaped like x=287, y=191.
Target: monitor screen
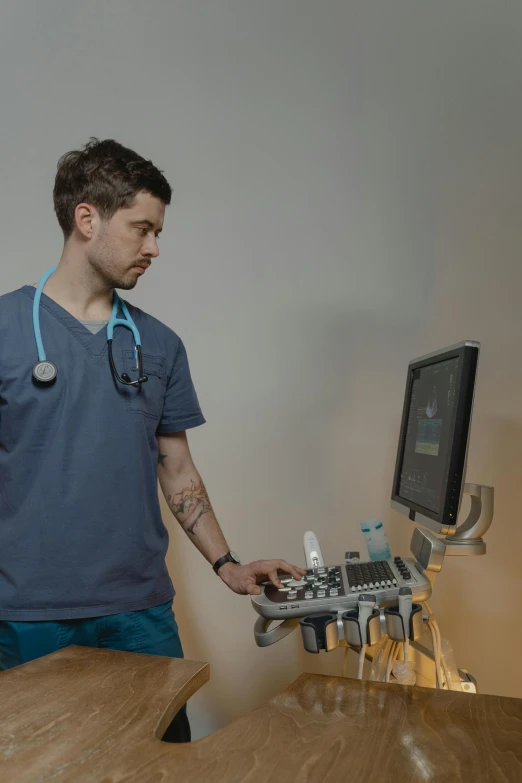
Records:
x=434, y=434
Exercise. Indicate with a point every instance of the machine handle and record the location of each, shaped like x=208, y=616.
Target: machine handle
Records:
x=264, y=637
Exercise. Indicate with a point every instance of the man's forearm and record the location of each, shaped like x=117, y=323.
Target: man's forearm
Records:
x=188, y=500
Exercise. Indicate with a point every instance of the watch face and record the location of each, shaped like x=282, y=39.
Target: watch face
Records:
x=234, y=557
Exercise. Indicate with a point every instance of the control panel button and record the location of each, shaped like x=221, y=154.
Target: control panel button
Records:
x=334, y=591
x=292, y=593
x=321, y=593
x=309, y=594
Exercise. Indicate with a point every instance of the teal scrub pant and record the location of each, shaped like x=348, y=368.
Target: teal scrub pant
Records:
x=153, y=631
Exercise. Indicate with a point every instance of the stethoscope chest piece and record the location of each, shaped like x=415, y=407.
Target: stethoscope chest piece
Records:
x=44, y=373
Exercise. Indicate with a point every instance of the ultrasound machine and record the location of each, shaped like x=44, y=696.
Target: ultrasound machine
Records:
x=379, y=608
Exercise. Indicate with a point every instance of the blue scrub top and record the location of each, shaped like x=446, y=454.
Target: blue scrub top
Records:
x=81, y=532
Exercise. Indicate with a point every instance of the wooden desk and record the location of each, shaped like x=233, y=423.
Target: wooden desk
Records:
x=94, y=715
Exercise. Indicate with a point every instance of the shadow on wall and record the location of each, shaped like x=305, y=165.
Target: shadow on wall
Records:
x=335, y=413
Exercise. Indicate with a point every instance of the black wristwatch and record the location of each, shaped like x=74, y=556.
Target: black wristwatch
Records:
x=230, y=557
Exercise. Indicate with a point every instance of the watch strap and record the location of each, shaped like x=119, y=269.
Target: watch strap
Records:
x=228, y=558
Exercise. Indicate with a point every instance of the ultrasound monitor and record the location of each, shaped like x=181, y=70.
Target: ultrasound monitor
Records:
x=433, y=442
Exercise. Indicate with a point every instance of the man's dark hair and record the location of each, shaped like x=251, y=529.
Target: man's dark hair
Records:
x=108, y=176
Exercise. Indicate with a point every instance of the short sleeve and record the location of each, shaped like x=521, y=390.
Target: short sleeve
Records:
x=181, y=409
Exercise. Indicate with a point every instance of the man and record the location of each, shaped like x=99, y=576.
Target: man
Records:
x=82, y=541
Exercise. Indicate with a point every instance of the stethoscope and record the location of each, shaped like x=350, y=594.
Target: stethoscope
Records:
x=45, y=372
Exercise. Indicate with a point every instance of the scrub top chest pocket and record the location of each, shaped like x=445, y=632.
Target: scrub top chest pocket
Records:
x=147, y=399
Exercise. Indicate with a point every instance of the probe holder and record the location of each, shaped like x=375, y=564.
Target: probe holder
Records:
x=395, y=626
x=352, y=629
x=265, y=637
x=320, y=632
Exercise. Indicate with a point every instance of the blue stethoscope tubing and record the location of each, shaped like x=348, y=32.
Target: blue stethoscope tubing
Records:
x=45, y=372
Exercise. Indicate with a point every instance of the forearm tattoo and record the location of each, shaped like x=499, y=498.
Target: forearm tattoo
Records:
x=190, y=505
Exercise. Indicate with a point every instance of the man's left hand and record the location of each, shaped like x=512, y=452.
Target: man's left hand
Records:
x=245, y=579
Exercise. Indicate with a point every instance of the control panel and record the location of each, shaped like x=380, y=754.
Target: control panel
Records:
x=337, y=588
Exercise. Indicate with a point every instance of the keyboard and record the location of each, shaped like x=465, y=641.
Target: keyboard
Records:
x=337, y=588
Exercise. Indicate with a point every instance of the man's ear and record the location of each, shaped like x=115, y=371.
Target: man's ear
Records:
x=86, y=219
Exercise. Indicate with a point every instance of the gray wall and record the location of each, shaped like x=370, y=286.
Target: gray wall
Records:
x=348, y=195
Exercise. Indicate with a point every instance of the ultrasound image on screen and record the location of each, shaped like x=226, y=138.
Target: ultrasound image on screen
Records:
x=431, y=418
x=428, y=437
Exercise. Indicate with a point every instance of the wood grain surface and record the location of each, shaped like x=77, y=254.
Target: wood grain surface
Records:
x=84, y=714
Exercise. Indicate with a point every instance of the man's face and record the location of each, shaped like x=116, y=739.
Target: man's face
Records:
x=125, y=245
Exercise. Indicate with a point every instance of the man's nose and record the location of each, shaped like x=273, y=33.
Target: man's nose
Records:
x=150, y=249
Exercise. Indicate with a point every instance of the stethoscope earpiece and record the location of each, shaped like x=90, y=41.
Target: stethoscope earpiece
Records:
x=128, y=381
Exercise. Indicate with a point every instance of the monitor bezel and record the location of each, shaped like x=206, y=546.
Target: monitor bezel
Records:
x=468, y=351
